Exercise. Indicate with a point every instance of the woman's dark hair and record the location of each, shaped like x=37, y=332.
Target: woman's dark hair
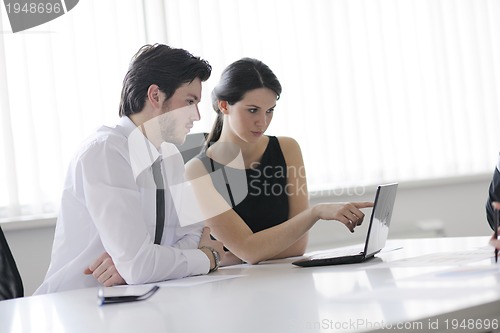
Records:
x=159, y=64
x=236, y=80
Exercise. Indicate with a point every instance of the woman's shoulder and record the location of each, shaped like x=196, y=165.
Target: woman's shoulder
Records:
x=195, y=167
x=288, y=144
x=291, y=150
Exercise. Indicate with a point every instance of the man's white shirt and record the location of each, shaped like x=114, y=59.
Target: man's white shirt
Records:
x=109, y=205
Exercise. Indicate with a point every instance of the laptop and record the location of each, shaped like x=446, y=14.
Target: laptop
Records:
x=376, y=237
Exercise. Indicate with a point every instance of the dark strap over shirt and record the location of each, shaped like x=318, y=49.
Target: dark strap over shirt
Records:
x=266, y=203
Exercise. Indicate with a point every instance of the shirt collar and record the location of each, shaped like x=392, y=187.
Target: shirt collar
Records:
x=142, y=152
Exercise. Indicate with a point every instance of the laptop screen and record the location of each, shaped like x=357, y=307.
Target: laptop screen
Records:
x=380, y=218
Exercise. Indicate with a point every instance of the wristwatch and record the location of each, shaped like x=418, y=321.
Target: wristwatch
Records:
x=216, y=258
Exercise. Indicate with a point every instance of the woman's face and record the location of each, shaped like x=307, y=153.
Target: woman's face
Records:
x=250, y=117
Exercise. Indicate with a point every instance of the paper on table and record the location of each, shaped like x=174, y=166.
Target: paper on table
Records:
x=440, y=259
x=462, y=272
x=196, y=280
x=185, y=282
x=406, y=293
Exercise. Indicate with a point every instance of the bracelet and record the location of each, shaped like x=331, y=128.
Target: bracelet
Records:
x=216, y=258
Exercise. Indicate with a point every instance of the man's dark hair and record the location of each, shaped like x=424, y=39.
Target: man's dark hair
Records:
x=159, y=64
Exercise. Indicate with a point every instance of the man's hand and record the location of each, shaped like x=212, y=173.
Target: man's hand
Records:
x=104, y=271
x=206, y=241
x=494, y=241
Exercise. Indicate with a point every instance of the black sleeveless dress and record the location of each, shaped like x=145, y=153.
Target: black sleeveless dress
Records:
x=263, y=201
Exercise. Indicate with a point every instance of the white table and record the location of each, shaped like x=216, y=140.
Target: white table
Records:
x=279, y=297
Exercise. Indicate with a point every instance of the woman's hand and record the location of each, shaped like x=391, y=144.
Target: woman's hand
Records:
x=348, y=213
x=229, y=259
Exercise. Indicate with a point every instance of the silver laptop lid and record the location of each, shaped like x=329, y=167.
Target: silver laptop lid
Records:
x=380, y=219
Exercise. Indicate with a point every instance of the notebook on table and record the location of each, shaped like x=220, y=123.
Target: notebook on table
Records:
x=376, y=237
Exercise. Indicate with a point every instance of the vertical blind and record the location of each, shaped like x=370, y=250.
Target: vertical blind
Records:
x=373, y=90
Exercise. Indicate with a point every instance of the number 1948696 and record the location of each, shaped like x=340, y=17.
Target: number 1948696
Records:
x=471, y=324
x=33, y=8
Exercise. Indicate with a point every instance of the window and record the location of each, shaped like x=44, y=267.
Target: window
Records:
x=373, y=90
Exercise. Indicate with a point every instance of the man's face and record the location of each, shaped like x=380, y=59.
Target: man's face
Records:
x=176, y=116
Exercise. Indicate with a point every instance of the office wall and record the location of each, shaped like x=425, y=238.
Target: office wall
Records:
x=453, y=207
x=31, y=244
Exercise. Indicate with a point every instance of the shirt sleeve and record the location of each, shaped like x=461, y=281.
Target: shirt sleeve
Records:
x=114, y=202
x=189, y=236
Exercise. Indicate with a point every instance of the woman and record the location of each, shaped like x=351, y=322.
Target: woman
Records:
x=252, y=187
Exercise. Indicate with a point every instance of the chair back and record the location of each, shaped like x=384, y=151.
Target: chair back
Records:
x=11, y=285
x=192, y=146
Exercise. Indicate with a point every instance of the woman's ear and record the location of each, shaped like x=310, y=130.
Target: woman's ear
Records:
x=223, y=106
x=154, y=96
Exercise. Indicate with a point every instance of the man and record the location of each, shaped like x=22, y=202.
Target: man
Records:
x=493, y=203
x=111, y=199
x=493, y=195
